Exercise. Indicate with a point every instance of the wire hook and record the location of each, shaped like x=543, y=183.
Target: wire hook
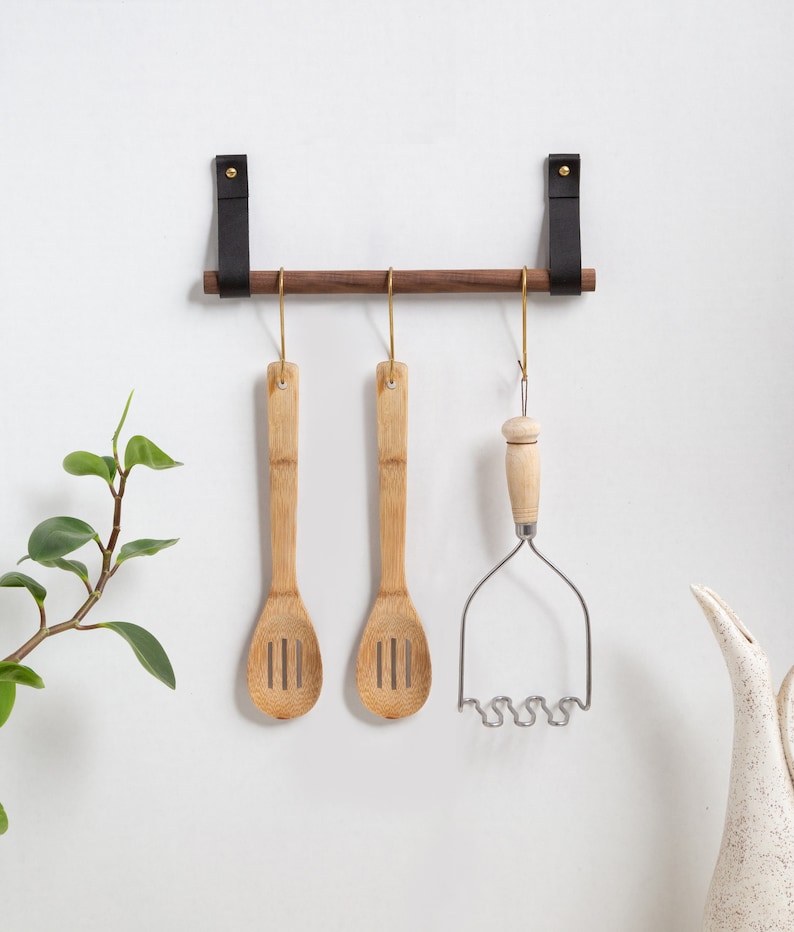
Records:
x=281, y=317
x=390, y=285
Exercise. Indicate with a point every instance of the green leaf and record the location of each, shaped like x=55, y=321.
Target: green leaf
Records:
x=86, y=464
x=56, y=537
x=10, y=675
x=143, y=451
x=121, y=422
x=3, y=820
x=143, y=548
x=111, y=464
x=19, y=580
x=17, y=673
x=71, y=566
x=147, y=649
x=8, y=693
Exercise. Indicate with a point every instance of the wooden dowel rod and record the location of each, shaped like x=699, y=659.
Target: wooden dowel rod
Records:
x=426, y=281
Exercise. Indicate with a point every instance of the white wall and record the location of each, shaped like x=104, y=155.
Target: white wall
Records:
x=412, y=135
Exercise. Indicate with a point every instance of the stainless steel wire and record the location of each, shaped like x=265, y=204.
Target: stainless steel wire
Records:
x=564, y=704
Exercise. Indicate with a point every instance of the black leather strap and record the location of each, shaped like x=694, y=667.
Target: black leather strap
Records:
x=565, y=244
x=234, y=264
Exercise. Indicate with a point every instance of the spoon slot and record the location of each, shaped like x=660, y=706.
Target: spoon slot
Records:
x=394, y=665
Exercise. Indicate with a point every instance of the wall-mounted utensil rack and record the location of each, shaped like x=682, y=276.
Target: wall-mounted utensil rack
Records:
x=234, y=278
x=414, y=281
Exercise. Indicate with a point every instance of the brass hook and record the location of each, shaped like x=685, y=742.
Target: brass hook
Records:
x=391, y=326
x=281, y=316
x=523, y=361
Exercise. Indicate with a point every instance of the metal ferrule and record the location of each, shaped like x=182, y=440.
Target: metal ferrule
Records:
x=526, y=531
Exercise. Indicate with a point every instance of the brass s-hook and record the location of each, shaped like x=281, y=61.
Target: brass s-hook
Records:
x=390, y=285
x=281, y=317
x=523, y=361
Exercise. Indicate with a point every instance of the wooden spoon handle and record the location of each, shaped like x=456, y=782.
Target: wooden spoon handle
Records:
x=282, y=435
x=392, y=410
x=522, y=463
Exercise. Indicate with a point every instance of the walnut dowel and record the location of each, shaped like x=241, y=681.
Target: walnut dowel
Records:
x=404, y=281
x=522, y=463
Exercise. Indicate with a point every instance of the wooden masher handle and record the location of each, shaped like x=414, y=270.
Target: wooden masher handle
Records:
x=522, y=464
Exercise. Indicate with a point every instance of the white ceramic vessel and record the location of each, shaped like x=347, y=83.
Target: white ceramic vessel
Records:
x=752, y=889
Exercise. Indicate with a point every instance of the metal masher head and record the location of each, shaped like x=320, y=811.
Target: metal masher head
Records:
x=522, y=464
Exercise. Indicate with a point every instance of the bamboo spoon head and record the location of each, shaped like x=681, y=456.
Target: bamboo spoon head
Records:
x=285, y=670
x=393, y=670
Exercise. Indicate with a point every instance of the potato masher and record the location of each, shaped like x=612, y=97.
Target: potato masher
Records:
x=522, y=463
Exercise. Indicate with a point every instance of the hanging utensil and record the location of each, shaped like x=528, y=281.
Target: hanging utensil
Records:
x=393, y=669
x=522, y=463
x=285, y=670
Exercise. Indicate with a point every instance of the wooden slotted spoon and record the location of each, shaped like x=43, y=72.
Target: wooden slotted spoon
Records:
x=285, y=670
x=393, y=671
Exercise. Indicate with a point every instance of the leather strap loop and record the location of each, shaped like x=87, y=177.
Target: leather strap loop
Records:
x=234, y=264
x=565, y=246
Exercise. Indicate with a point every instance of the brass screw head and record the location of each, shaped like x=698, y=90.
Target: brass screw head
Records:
x=231, y=172
x=562, y=170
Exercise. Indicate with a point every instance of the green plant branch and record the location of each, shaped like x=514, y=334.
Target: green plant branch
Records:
x=139, y=450
x=118, y=495
x=54, y=538
x=95, y=593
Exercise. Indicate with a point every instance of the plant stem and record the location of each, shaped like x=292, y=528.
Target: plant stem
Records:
x=108, y=569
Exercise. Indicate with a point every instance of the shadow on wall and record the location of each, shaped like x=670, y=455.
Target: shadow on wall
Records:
x=662, y=740
x=243, y=700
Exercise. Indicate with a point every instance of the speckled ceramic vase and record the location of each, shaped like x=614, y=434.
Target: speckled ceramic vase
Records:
x=752, y=889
